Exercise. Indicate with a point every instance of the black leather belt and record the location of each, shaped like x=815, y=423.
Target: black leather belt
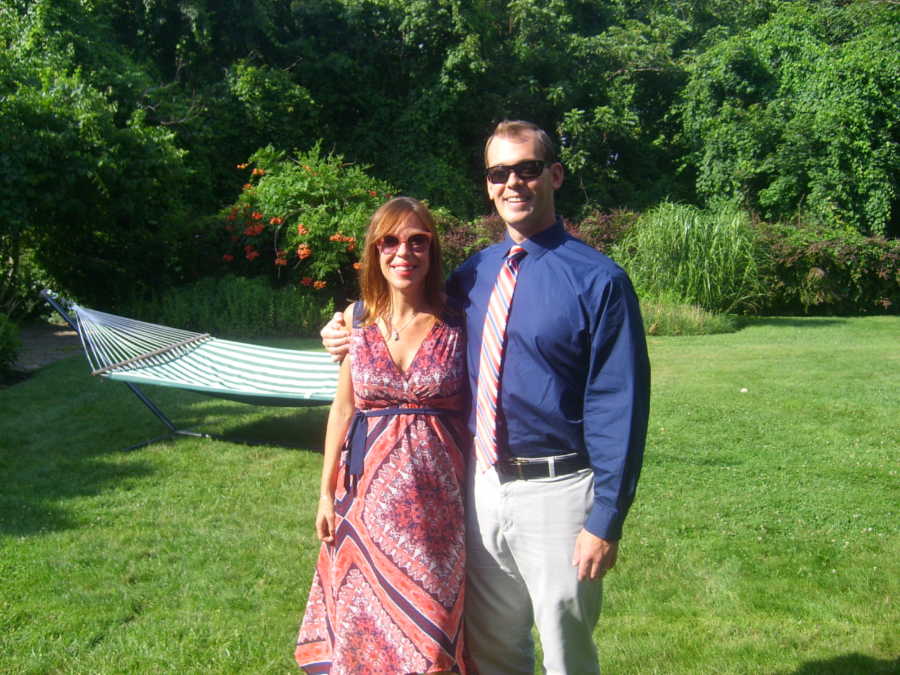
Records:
x=517, y=468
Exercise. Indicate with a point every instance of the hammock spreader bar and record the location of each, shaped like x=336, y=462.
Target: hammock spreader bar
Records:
x=138, y=353
x=155, y=352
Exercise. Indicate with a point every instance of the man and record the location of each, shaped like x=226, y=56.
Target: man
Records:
x=560, y=382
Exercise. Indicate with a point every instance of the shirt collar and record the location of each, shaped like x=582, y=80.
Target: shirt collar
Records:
x=540, y=243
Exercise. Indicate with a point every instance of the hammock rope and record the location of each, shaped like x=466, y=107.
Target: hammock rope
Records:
x=135, y=351
x=110, y=340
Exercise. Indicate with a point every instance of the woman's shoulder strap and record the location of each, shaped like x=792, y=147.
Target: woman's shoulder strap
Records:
x=359, y=310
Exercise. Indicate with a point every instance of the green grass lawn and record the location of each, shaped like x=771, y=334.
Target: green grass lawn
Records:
x=764, y=538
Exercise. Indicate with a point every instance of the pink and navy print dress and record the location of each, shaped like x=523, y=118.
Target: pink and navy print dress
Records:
x=387, y=595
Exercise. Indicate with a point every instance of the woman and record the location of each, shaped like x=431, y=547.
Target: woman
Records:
x=387, y=595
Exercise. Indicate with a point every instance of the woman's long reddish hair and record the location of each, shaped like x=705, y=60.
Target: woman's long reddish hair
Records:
x=373, y=286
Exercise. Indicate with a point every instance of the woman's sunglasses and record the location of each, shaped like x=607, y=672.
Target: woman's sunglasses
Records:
x=525, y=170
x=417, y=243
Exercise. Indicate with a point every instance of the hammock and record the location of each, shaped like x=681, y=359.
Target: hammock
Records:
x=136, y=353
x=144, y=353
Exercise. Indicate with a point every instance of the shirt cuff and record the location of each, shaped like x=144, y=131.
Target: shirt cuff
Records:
x=605, y=523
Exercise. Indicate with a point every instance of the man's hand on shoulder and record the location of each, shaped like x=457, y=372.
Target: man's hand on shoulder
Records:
x=594, y=556
x=336, y=337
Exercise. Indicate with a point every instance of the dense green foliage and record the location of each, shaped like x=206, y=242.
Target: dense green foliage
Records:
x=94, y=190
x=802, y=113
x=121, y=123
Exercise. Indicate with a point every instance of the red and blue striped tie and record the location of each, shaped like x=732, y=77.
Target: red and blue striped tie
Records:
x=492, y=344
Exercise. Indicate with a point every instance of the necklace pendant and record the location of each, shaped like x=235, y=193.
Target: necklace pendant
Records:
x=395, y=336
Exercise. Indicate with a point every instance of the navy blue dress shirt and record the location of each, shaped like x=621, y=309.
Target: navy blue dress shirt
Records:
x=575, y=375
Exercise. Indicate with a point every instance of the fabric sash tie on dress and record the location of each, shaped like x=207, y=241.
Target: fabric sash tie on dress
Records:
x=357, y=437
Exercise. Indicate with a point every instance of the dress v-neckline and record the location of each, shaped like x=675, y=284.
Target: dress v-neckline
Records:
x=404, y=374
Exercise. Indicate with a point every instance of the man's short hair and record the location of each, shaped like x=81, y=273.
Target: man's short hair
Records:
x=518, y=129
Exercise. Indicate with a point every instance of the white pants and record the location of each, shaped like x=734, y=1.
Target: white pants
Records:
x=520, y=540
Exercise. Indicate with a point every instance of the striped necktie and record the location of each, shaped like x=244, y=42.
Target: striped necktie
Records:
x=492, y=344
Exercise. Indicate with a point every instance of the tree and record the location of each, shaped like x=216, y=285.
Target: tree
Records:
x=94, y=194
x=801, y=114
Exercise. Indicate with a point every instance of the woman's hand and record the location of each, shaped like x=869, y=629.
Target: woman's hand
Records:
x=336, y=338
x=325, y=519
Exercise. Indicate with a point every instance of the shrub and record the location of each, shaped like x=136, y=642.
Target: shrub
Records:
x=708, y=258
x=300, y=221
x=603, y=230
x=237, y=307
x=461, y=239
x=9, y=344
x=829, y=271
x=21, y=283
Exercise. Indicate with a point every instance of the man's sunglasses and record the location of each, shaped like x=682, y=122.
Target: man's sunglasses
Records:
x=417, y=243
x=525, y=170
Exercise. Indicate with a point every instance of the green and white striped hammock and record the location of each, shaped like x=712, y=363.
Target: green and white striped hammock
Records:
x=136, y=352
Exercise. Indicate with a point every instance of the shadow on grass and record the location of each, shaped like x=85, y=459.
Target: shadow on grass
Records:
x=792, y=322
x=302, y=431
x=290, y=427
x=849, y=664
x=35, y=502
x=52, y=449
x=63, y=433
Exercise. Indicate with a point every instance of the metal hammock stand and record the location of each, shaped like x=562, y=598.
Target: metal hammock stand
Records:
x=137, y=353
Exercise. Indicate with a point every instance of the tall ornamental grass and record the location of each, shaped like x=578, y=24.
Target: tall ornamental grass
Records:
x=707, y=258
x=666, y=317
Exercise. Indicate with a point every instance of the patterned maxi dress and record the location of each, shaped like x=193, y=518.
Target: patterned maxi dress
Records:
x=387, y=595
